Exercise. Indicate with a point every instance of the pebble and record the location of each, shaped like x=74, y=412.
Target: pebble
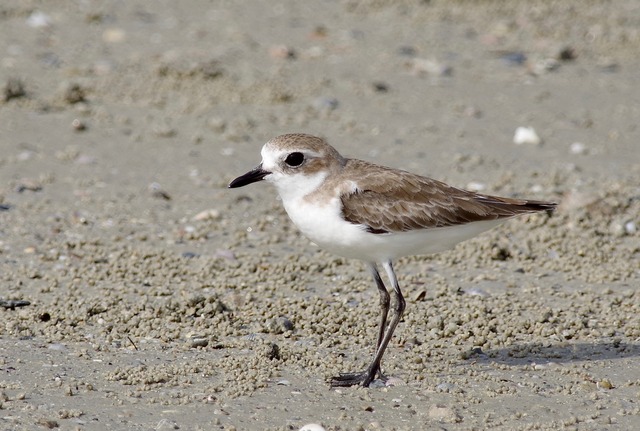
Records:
x=380, y=87
x=476, y=291
x=422, y=66
x=445, y=387
x=514, y=58
x=158, y=192
x=419, y=295
x=567, y=54
x=197, y=340
x=407, y=51
x=56, y=346
x=210, y=214
x=526, y=135
x=395, y=381
x=545, y=65
x=442, y=413
x=39, y=20
x=13, y=89
x=326, y=103
x=226, y=254
x=312, y=427
x=217, y=124
x=164, y=131
x=72, y=92
x=605, y=384
x=166, y=424
x=282, y=52
x=621, y=228
x=377, y=384
x=279, y=325
x=578, y=148
x=78, y=125
x=114, y=35
x=476, y=186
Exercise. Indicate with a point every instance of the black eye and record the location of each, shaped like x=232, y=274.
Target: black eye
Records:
x=294, y=159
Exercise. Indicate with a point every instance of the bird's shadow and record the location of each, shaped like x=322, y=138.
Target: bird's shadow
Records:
x=561, y=352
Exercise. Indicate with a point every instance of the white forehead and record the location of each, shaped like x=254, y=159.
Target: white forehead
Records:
x=273, y=154
x=270, y=156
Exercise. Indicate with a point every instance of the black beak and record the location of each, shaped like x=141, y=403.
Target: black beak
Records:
x=252, y=176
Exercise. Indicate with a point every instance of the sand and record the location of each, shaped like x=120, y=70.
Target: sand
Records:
x=159, y=299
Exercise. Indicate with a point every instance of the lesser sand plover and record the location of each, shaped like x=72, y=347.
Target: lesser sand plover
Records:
x=361, y=210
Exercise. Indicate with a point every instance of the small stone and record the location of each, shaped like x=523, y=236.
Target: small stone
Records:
x=164, y=131
x=476, y=186
x=38, y=20
x=380, y=87
x=476, y=291
x=48, y=423
x=545, y=65
x=578, y=148
x=605, y=384
x=272, y=351
x=617, y=228
x=217, y=124
x=445, y=387
x=13, y=89
x=158, y=192
x=319, y=32
x=166, y=424
x=114, y=35
x=418, y=296
x=526, y=135
x=441, y=413
x=78, y=125
x=567, y=54
x=500, y=253
x=515, y=58
x=422, y=66
x=197, y=340
x=630, y=228
x=312, y=427
x=282, y=52
x=210, y=214
x=407, y=51
x=394, y=381
x=226, y=254
x=279, y=325
x=72, y=92
x=326, y=103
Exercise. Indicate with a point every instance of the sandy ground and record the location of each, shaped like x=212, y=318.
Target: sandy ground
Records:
x=161, y=300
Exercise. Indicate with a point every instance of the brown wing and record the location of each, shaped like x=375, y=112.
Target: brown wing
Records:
x=388, y=200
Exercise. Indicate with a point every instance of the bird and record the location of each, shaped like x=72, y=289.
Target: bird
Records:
x=377, y=214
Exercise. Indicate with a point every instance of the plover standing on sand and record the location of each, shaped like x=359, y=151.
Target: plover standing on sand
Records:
x=360, y=210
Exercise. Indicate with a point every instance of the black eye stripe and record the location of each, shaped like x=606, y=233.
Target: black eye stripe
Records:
x=294, y=159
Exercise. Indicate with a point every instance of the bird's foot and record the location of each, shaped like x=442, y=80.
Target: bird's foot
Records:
x=363, y=378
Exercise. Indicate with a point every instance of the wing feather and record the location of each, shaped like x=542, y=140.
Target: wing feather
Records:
x=388, y=200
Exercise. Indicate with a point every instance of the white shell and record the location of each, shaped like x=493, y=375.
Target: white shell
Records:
x=526, y=135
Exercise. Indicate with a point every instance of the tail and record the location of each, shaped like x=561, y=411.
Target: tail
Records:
x=509, y=207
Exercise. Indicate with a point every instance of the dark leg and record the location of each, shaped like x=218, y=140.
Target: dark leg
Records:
x=385, y=300
x=367, y=376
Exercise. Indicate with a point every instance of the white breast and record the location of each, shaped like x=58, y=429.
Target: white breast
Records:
x=324, y=225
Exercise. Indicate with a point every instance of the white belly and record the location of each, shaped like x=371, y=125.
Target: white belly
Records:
x=324, y=226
